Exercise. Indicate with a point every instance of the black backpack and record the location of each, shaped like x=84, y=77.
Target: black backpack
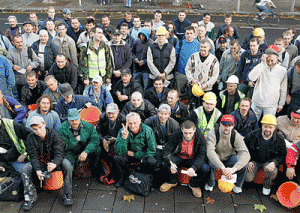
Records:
x=256, y=1
x=139, y=183
x=232, y=137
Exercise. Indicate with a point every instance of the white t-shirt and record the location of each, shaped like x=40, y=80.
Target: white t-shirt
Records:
x=263, y=2
x=41, y=55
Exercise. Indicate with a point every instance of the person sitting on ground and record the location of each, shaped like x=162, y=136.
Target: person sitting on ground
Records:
x=158, y=93
x=139, y=105
x=135, y=143
x=229, y=99
x=70, y=101
x=268, y=151
x=53, y=89
x=226, y=150
x=289, y=126
x=64, y=70
x=10, y=108
x=245, y=119
x=33, y=90
x=206, y=117
x=98, y=93
x=44, y=109
x=186, y=148
x=81, y=141
x=163, y=127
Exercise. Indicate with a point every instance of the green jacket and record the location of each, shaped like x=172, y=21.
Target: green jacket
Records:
x=89, y=140
x=143, y=144
x=83, y=60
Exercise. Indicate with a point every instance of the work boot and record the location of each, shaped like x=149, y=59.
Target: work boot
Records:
x=68, y=200
x=166, y=187
x=29, y=201
x=196, y=191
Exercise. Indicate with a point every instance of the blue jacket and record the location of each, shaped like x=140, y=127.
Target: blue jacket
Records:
x=7, y=77
x=221, y=31
x=78, y=102
x=246, y=64
x=250, y=124
x=130, y=24
x=180, y=27
x=105, y=97
x=51, y=51
x=17, y=110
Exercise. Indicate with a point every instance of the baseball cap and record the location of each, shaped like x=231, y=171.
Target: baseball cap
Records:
x=112, y=107
x=28, y=22
x=66, y=11
x=164, y=108
x=116, y=32
x=97, y=78
x=227, y=119
x=296, y=114
x=222, y=39
x=36, y=120
x=126, y=71
x=73, y=114
x=272, y=49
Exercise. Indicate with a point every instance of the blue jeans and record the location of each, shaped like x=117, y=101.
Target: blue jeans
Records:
x=142, y=78
x=67, y=169
x=128, y=3
x=228, y=163
x=262, y=9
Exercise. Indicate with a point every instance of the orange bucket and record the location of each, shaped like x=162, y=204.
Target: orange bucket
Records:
x=91, y=115
x=218, y=174
x=183, y=178
x=289, y=194
x=56, y=182
x=260, y=175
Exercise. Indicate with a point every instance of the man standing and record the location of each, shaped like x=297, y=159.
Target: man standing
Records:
x=127, y=20
x=201, y=35
x=289, y=47
x=75, y=30
x=135, y=143
x=29, y=37
x=65, y=44
x=228, y=21
x=186, y=147
x=268, y=151
x=135, y=30
x=269, y=75
x=7, y=82
x=180, y=25
x=157, y=22
x=209, y=26
x=125, y=35
x=226, y=150
x=13, y=29
x=85, y=36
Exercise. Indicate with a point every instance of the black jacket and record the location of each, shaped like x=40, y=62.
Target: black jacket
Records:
x=249, y=125
x=151, y=95
x=173, y=147
x=54, y=148
x=172, y=125
x=28, y=98
x=145, y=110
x=237, y=99
x=180, y=113
x=103, y=126
x=275, y=151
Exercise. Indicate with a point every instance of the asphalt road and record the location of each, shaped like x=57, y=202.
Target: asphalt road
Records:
x=240, y=21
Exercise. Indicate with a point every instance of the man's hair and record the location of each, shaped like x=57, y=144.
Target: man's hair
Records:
x=61, y=24
x=136, y=93
x=133, y=114
x=297, y=63
x=246, y=99
x=158, y=11
x=127, y=13
x=137, y=17
x=254, y=39
x=51, y=8
x=49, y=21
x=90, y=21
x=173, y=91
x=189, y=28
x=38, y=103
x=17, y=36
x=105, y=16
x=204, y=41
x=31, y=13
x=188, y=125
x=286, y=33
x=93, y=30
x=226, y=29
x=195, y=22
x=124, y=25
x=48, y=77
x=279, y=39
x=292, y=29
x=206, y=14
x=31, y=74
x=61, y=55
x=228, y=16
x=182, y=11
x=158, y=78
x=234, y=41
x=75, y=18
x=148, y=21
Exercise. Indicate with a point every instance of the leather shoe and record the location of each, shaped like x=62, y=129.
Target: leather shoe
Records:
x=196, y=192
x=68, y=200
x=166, y=187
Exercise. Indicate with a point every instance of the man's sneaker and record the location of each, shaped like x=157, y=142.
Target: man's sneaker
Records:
x=28, y=202
x=208, y=188
x=237, y=190
x=266, y=191
x=196, y=192
x=166, y=187
x=68, y=200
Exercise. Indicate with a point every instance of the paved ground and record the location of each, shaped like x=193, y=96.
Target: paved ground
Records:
x=92, y=197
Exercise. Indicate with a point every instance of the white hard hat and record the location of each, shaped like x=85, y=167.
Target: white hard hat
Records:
x=233, y=79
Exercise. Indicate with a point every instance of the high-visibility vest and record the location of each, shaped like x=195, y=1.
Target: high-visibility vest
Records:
x=96, y=63
x=223, y=98
x=9, y=126
x=203, y=125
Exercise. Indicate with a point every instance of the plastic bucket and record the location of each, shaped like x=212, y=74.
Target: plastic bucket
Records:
x=260, y=175
x=289, y=194
x=183, y=179
x=56, y=182
x=90, y=115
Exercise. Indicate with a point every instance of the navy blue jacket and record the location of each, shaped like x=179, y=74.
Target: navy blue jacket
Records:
x=180, y=27
x=250, y=124
x=18, y=111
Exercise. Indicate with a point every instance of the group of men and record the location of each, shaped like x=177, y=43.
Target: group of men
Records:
x=175, y=94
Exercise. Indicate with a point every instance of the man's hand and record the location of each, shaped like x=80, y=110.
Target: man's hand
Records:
x=16, y=67
x=130, y=153
x=204, y=86
x=136, y=60
x=250, y=167
x=78, y=137
x=278, y=109
x=228, y=172
x=264, y=58
x=40, y=175
x=218, y=81
x=22, y=157
x=29, y=68
x=105, y=145
x=191, y=172
x=290, y=173
x=117, y=73
x=194, y=81
x=288, y=99
x=108, y=80
x=251, y=83
x=125, y=132
x=88, y=104
x=270, y=167
x=51, y=166
x=86, y=82
x=141, y=62
x=173, y=168
x=82, y=156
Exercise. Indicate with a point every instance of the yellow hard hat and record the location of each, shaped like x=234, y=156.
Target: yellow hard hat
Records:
x=197, y=91
x=269, y=119
x=259, y=32
x=161, y=30
x=210, y=98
